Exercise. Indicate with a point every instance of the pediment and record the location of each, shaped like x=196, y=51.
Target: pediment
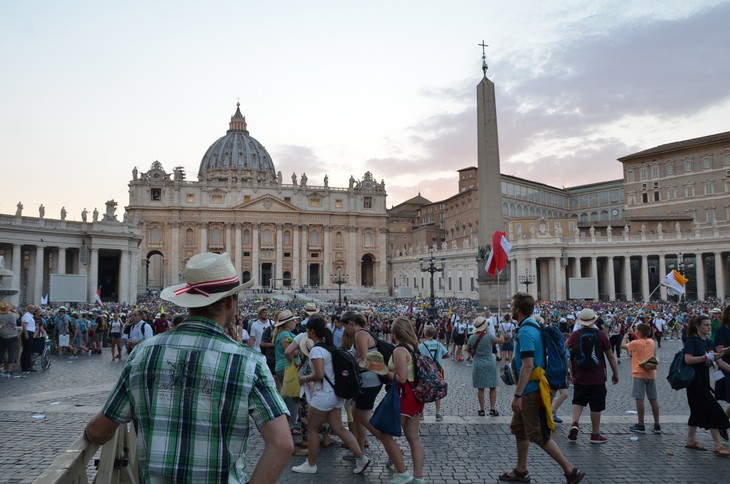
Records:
x=267, y=203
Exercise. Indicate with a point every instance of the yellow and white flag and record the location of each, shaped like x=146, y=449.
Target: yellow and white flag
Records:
x=674, y=282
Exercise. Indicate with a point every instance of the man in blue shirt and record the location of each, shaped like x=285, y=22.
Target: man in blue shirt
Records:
x=529, y=419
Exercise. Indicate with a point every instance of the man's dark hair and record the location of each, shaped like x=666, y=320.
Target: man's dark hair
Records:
x=524, y=303
x=210, y=311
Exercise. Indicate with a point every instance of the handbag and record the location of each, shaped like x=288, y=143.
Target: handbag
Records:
x=386, y=417
x=290, y=386
x=63, y=340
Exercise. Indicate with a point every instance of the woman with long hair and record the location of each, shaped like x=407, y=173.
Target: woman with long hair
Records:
x=722, y=340
x=705, y=411
x=507, y=333
x=116, y=325
x=323, y=403
x=402, y=368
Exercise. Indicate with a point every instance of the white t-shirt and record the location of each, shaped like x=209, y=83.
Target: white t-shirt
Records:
x=659, y=324
x=116, y=326
x=257, y=332
x=507, y=328
x=141, y=331
x=29, y=320
x=460, y=328
x=492, y=326
x=320, y=394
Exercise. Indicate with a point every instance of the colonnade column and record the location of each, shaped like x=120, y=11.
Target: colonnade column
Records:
x=124, y=270
x=296, y=279
x=237, y=248
x=38, y=279
x=512, y=276
x=560, y=284
x=203, y=236
x=644, y=277
x=279, y=256
x=594, y=267
x=628, y=291
x=700, y=268
x=133, y=275
x=305, y=254
x=533, y=270
x=720, y=276
x=93, y=274
x=174, y=252
x=351, y=253
x=611, y=279
x=327, y=269
x=576, y=267
x=255, y=255
x=61, y=260
x=382, y=278
x=229, y=238
x=662, y=273
x=15, y=266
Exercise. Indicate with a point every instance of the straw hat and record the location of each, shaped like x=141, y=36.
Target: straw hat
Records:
x=5, y=307
x=376, y=363
x=284, y=317
x=306, y=344
x=480, y=324
x=310, y=308
x=587, y=317
x=208, y=278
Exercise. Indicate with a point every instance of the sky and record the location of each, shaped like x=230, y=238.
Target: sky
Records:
x=92, y=89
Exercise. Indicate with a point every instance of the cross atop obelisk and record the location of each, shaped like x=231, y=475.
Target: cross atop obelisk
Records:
x=484, y=57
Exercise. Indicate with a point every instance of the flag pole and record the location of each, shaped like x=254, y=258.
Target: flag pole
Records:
x=641, y=309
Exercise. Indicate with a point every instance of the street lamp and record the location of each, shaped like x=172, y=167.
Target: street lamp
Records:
x=431, y=267
x=339, y=279
x=527, y=279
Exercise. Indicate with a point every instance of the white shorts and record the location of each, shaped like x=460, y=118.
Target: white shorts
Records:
x=325, y=401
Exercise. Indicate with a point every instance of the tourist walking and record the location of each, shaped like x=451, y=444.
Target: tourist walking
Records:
x=484, y=372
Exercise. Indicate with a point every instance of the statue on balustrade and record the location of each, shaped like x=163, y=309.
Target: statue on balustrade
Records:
x=41, y=211
x=63, y=213
x=19, y=210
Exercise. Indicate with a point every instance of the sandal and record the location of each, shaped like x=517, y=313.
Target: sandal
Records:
x=481, y=413
x=575, y=476
x=695, y=446
x=722, y=452
x=493, y=413
x=515, y=476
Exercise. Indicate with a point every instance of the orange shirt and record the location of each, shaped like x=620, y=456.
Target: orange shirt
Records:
x=641, y=349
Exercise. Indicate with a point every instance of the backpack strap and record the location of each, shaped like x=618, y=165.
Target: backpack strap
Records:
x=412, y=351
x=324, y=373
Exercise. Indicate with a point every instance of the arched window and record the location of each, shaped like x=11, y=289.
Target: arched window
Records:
x=189, y=237
x=338, y=239
x=266, y=237
x=287, y=237
x=246, y=237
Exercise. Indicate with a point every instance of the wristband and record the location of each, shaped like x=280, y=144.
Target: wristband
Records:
x=518, y=396
x=709, y=356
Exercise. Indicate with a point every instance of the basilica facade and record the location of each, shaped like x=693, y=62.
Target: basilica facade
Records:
x=292, y=233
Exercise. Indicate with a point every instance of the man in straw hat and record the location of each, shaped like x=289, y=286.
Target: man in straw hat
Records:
x=193, y=392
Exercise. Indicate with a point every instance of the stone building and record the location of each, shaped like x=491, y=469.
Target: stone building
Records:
x=283, y=234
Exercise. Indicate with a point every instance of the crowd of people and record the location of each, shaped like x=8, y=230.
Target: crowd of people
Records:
x=272, y=360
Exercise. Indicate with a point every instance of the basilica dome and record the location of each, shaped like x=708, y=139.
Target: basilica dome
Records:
x=236, y=153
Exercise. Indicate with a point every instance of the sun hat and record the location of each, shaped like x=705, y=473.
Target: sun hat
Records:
x=5, y=307
x=587, y=317
x=376, y=363
x=208, y=278
x=310, y=308
x=306, y=344
x=284, y=317
x=480, y=324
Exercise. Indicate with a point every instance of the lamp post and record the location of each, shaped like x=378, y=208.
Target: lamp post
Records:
x=339, y=279
x=527, y=279
x=431, y=267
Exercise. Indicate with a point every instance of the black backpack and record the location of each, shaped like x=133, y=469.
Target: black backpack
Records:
x=347, y=372
x=681, y=375
x=385, y=348
x=589, y=353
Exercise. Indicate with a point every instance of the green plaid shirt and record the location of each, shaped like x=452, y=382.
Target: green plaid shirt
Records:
x=191, y=393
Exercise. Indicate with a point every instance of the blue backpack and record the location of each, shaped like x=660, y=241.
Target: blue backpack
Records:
x=556, y=366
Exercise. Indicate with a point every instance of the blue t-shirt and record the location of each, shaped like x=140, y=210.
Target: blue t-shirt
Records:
x=434, y=350
x=528, y=343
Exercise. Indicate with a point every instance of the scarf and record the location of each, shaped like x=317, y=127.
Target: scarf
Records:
x=538, y=375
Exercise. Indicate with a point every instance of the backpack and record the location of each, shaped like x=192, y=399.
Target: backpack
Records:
x=347, y=372
x=681, y=375
x=589, y=353
x=384, y=347
x=429, y=384
x=556, y=366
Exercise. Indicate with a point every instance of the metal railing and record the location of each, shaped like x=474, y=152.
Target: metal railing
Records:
x=117, y=463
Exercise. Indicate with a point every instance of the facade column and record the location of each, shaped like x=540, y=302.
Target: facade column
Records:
x=351, y=253
x=133, y=275
x=203, y=236
x=553, y=264
x=700, y=268
x=327, y=268
x=255, y=255
x=720, y=276
x=38, y=279
x=560, y=283
x=174, y=276
x=296, y=279
x=237, y=248
x=512, y=277
x=382, y=277
x=576, y=267
x=662, y=273
x=594, y=267
x=229, y=238
x=124, y=273
x=93, y=274
x=305, y=255
x=15, y=266
x=611, y=279
x=61, y=267
x=279, y=256
x=645, y=277
x=533, y=270
x=628, y=291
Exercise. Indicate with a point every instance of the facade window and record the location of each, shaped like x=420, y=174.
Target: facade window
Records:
x=710, y=215
x=706, y=163
x=217, y=198
x=449, y=283
x=287, y=238
x=655, y=171
x=689, y=191
x=190, y=198
x=287, y=199
x=630, y=176
x=709, y=188
x=338, y=239
x=726, y=160
x=461, y=285
x=314, y=238
x=155, y=236
x=571, y=226
x=643, y=173
x=246, y=237
x=422, y=286
x=216, y=240
x=687, y=166
x=672, y=193
x=314, y=202
x=368, y=239
x=632, y=199
x=189, y=237
x=669, y=168
x=266, y=237
x=644, y=198
x=156, y=194
x=246, y=198
x=656, y=197
x=338, y=203
x=367, y=202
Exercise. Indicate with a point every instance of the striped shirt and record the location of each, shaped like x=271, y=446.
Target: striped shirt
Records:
x=191, y=393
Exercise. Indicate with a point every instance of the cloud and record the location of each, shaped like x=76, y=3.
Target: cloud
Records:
x=297, y=159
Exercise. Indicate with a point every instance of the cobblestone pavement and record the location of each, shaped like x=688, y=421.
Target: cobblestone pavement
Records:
x=463, y=448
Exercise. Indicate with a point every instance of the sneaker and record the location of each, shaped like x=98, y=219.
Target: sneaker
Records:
x=557, y=419
x=7, y=374
x=575, y=477
x=453, y=359
x=598, y=439
x=439, y=417
x=637, y=428
x=573, y=434
x=401, y=478
x=418, y=480
x=657, y=429
x=361, y=463
x=305, y=468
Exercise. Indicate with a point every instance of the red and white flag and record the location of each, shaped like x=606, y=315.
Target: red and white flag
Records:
x=98, y=296
x=497, y=259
